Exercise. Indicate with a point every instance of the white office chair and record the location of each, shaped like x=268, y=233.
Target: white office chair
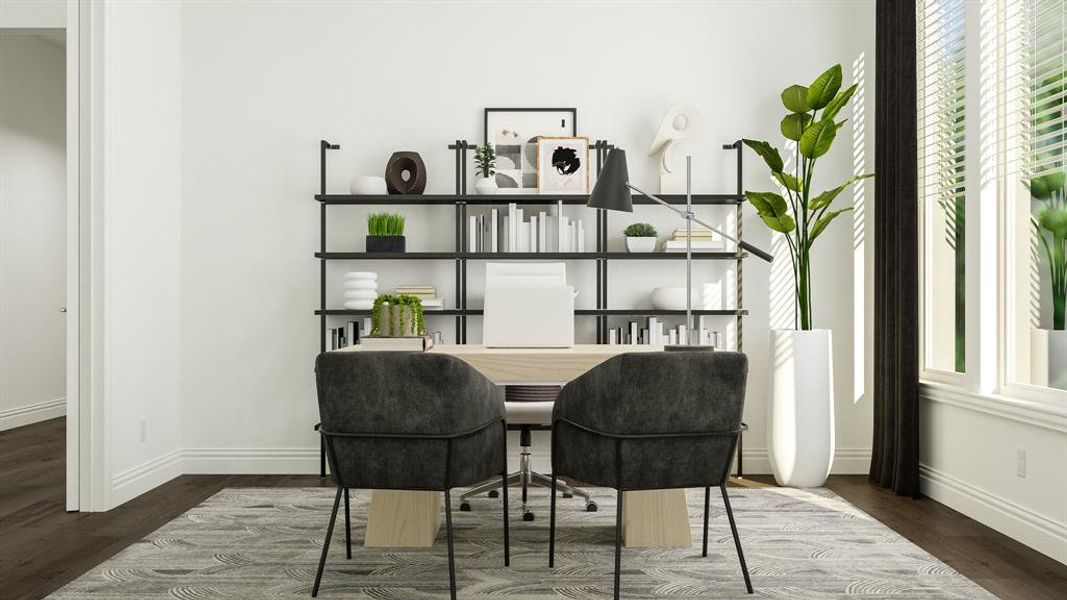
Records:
x=528, y=305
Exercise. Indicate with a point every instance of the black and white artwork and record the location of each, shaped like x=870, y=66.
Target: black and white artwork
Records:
x=514, y=133
x=563, y=165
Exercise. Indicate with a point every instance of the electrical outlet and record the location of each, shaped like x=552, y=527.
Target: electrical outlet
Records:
x=144, y=430
x=1020, y=462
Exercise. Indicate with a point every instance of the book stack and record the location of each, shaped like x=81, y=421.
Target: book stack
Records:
x=519, y=230
x=349, y=335
x=704, y=240
x=426, y=293
x=398, y=344
x=655, y=333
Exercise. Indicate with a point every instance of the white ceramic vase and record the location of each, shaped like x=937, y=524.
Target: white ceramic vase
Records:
x=1048, y=358
x=641, y=244
x=485, y=185
x=800, y=432
x=360, y=289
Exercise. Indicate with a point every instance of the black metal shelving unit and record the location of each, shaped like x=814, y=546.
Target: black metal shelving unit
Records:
x=460, y=200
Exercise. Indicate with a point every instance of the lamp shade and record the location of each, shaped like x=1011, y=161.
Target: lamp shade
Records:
x=611, y=191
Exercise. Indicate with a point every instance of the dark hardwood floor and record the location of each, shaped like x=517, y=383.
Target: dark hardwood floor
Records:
x=42, y=547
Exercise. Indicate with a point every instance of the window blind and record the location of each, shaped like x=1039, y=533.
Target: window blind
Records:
x=941, y=86
x=1043, y=25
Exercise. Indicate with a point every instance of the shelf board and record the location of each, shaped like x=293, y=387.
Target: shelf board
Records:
x=528, y=255
x=505, y=199
x=580, y=311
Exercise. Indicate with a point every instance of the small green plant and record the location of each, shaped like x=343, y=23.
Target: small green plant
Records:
x=640, y=230
x=385, y=224
x=1050, y=222
x=485, y=159
x=401, y=314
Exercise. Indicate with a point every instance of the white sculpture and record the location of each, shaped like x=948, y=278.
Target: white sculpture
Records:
x=680, y=124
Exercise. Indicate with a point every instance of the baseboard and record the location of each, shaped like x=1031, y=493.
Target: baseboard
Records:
x=847, y=461
x=251, y=461
x=1034, y=530
x=133, y=482
x=34, y=413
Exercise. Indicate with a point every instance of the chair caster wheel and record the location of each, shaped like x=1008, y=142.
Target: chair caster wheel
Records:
x=590, y=507
x=493, y=494
x=568, y=495
x=465, y=507
x=527, y=516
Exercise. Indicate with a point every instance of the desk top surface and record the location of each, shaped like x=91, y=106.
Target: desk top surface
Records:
x=533, y=366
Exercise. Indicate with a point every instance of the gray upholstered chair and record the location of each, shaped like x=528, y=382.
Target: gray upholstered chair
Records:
x=651, y=420
x=408, y=421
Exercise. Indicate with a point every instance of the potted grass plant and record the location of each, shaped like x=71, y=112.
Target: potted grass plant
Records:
x=640, y=237
x=801, y=428
x=1048, y=347
x=385, y=233
x=485, y=166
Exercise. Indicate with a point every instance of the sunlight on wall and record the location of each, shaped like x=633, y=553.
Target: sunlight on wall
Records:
x=859, y=222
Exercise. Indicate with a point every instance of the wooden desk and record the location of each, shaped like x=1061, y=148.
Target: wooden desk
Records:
x=651, y=519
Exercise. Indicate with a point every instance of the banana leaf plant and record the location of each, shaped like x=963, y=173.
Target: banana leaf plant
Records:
x=1050, y=221
x=803, y=215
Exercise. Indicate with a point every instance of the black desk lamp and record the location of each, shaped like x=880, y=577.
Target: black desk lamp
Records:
x=612, y=192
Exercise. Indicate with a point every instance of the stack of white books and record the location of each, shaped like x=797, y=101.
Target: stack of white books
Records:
x=522, y=230
x=426, y=293
x=703, y=240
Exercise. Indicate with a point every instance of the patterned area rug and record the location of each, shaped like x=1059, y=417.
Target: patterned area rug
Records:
x=265, y=543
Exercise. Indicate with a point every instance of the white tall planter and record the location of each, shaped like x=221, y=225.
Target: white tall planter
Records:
x=1048, y=358
x=800, y=433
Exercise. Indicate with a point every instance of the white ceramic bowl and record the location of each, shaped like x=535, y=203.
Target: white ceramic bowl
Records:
x=361, y=295
x=367, y=184
x=359, y=304
x=371, y=275
x=672, y=298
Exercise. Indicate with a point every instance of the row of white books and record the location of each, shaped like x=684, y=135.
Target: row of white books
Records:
x=511, y=231
x=657, y=334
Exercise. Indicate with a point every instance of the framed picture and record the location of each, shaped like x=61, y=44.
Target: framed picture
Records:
x=514, y=132
x=563, y=165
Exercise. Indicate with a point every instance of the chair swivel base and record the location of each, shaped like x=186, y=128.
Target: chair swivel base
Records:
x=535, y=479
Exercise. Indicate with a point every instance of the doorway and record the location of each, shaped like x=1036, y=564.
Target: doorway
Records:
x=33, y=259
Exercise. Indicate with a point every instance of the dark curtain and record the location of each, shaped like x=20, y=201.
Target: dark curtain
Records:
x=895, y=452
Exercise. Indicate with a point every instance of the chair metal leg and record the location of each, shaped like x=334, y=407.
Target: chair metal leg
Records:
x=618, y=541
x=507, y=538
x=326, y=543
x=451, y=555
x=707, y=501
x=552, y=525
x=737, y=540
x=348, y=527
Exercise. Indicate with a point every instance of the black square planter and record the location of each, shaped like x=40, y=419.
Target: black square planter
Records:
x=385, y=243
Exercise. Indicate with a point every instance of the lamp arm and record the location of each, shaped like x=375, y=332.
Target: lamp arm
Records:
x=688, y=215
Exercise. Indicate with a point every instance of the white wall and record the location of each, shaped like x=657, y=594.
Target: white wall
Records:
x=33, y=13
x=32, y=228
x=262, y=83
x=141, y=216
x=969, y=454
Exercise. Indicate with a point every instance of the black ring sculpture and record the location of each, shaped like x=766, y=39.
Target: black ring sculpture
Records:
x=411, y=163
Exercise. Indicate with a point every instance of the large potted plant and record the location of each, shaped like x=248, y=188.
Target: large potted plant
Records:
x=1048, y=347
x=800, y=437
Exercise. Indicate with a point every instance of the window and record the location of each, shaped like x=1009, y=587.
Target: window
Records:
x=1036, y=222
x=942, y=184
x=992, y=138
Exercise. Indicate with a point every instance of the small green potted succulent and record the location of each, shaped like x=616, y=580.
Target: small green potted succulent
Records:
x=385, y=232
x=485, y=165
x=640, y=237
